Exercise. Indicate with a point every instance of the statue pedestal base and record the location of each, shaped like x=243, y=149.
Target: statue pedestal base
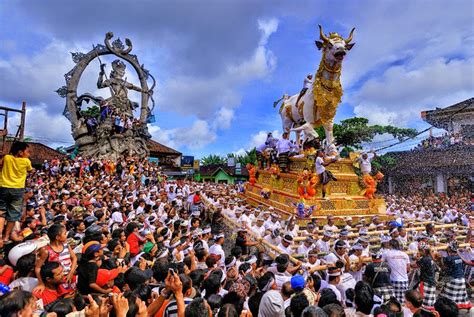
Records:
x=344, y=196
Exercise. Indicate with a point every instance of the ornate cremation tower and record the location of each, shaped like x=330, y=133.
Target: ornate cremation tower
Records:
x=109, y=129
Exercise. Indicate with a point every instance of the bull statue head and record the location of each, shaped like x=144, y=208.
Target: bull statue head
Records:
x=334, y=46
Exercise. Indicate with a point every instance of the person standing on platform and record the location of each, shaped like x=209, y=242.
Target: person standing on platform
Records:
x=15, y=166
x=283, y=148
x=325, y=176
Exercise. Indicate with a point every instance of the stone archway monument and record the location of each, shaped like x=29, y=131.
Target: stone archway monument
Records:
x=106, y=127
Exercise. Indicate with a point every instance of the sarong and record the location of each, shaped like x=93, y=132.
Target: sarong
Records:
x=283, y=160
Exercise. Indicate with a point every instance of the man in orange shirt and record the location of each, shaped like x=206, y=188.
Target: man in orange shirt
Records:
x=15, y=166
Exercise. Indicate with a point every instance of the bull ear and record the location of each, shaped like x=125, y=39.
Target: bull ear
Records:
x=349, y=46
x=319, y=44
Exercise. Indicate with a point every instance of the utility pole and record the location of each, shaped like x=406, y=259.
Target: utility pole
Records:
x=22, y=121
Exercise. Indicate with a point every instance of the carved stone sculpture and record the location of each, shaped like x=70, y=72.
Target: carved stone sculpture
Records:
x=112, y=132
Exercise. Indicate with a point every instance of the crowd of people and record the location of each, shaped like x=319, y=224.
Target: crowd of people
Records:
x=94, y=238
x=445, y=141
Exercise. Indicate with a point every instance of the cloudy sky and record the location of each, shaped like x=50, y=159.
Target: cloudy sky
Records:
x=220, y=64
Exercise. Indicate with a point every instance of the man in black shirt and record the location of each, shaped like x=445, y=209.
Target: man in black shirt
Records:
x=427, y=285
x=377, y=274
x=241, y=241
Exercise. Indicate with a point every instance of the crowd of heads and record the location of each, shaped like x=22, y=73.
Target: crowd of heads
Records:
x=104, y=238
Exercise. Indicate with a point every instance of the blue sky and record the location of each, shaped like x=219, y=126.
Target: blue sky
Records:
x=221, y=64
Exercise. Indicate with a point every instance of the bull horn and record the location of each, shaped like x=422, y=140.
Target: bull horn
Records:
x=349, y=39
x=321, y=34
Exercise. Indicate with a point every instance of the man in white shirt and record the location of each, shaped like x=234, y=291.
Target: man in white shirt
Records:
x=217, y=249
x=357, y=264
x=365, y=162
x=306, y=246
x=324, y=176
x=283, y=148
x=285, y=244
x=307, y=84
x=349, y=223
x=259, y=228
x=273, y=223
x=339, y=254
x=334, y=278
x=323, y=244
x=399, y=264
x=330, y=226
x=274, y=239
x=245, y=218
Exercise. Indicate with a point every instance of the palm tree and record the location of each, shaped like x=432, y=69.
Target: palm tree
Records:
x=212, y=159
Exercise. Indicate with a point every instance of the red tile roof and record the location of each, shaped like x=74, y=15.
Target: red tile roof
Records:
x=156, y=147
x=210, y=170
x=39, y=152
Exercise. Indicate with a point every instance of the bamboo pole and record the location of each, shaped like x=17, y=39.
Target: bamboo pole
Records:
x=253, y=235
x=324, y=267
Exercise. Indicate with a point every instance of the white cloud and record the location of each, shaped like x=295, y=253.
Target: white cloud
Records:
x=42, y=126
x=260, y=137
x=202, y=96
x=36, y=78
x=195, y=137
x=400, y=93
x=214, y=99
x=240, y=152
x=268, y=27
x=223, y=119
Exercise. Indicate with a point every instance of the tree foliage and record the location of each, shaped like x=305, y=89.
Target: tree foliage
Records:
x=248, y=157
x=93, y=111
x=212, y=159
x=355, y=131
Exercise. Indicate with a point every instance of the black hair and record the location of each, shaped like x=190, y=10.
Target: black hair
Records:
x=142, y=292
x=228, y=310
x=25, y=265
x=327, y=297
x=350, y=295
x=54, y=230
x=298, y=303
x=244, y=267
x=11, y=303
x=215, y=302
x=234, y=299
x=116, y=233
x=197, y=308
x=210, y=261
x=61, y=307
x=130, y=228
x=254, y=303
x=112, y=244
x=316, y=281
x=286, y=289
x=186, y=281
x=395, y=244
x=364, y=297
x=236, y=251
x=264, y=279
x=47, y=270
x=197, y=276
x=160, y=271
x=313, y=311
x=334, y=309
x=212, y=285
x=446, y=307
x=414, y=297
x=17, y=147
x=200, y=254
